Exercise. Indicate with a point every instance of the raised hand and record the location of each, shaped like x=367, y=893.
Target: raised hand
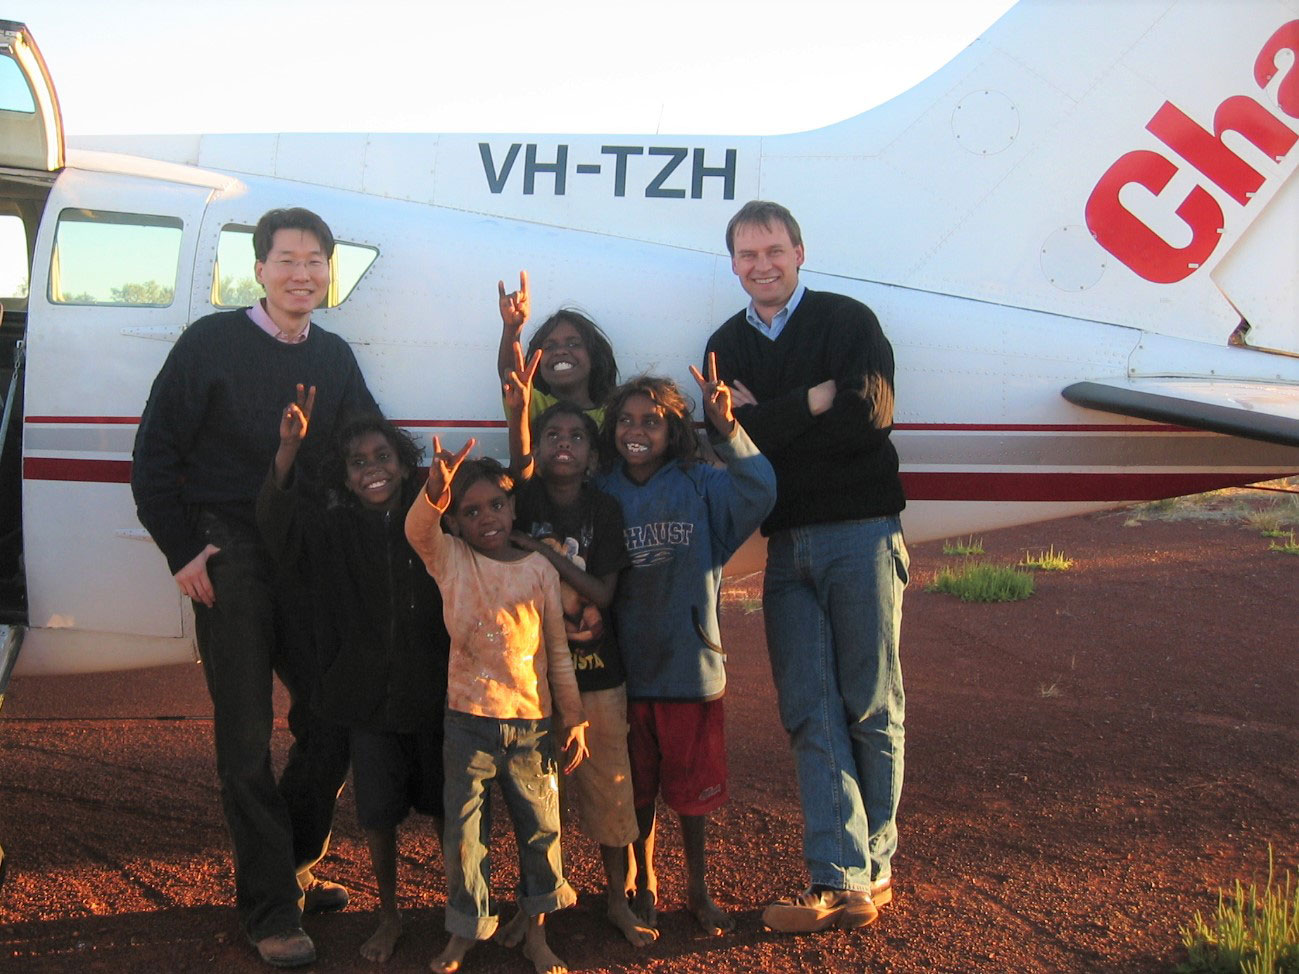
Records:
x=294, y=422
x=717, y=397
x=518, y=384
x=296, y=417
x=443, y=470
x=515, y=305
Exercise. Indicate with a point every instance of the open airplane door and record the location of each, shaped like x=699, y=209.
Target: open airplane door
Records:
x=31, y=127
x=31, y=138
x=31, y=151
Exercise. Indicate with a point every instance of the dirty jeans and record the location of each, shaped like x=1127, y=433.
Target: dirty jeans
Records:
x=518, y=754
x=832, y=601
x=279, y=830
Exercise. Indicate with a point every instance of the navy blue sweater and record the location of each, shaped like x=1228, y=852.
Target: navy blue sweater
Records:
x=839, y=466
x=211, y=425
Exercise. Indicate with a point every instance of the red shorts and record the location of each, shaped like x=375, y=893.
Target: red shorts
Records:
x=680, y=748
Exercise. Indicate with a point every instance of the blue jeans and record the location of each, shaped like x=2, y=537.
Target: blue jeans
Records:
x=258, y=628
x=832, y=600
x=519, y=755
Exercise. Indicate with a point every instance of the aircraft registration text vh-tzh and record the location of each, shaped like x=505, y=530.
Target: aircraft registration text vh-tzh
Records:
x=1080, y=236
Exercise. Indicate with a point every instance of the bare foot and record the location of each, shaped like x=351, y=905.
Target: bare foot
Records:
x=543, y=959
x=511, y=934
x=452, y=955
x=645, y=905
x=714, y=921
x=620, y=915
x=384, y=940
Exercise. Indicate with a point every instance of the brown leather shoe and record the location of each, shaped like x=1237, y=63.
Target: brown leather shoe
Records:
x=817, y=909
x=322, y=896
x=882, y=892
x=292, y=948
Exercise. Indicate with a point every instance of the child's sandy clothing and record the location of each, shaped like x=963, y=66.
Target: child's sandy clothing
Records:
x=590, y=534
x=508, y=653
x=508, y=648
x=519, y=756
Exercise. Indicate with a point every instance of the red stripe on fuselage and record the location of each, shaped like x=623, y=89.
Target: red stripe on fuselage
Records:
x=79, y=471
x=1022, y=487
x=1064, y=487
x=500, y=424
x=1044, y=428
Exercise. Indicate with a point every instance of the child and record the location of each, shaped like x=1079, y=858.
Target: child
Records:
x=684, y=521
x=577, y=362
x=508, y=657
x=379, y=626
x=580, y=531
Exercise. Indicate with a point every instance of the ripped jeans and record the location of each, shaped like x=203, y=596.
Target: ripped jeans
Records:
x=519, y=755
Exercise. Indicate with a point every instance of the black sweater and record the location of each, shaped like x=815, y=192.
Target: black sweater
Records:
x=380, y=638
x=838, y=466
x=211, y=425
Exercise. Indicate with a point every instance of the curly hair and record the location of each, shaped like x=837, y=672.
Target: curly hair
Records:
x=472, y=471
x=334, y=466
x=604, y=367
x=683, y=445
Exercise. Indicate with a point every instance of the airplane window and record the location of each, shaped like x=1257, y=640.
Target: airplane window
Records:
x=127, y=259
x=233, y=283
x=13, y=258
x=15, y=96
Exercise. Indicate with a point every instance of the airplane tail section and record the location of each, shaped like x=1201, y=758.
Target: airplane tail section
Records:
x=1098, y=160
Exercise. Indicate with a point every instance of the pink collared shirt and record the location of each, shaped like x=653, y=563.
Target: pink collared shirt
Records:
x=263, y=321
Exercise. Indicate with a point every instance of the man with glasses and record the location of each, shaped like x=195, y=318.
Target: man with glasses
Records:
x=205, y=443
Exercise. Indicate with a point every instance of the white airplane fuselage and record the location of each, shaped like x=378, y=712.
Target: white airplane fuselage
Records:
x=967, y=214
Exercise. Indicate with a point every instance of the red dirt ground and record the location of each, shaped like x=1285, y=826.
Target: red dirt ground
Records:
x=1084, y=770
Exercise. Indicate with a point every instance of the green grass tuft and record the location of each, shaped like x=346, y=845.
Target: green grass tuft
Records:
x=1047, y=561
x=967, y=547
x=1251, y=932
x=1287, y=547
x=981, y=582
x=1269, y=522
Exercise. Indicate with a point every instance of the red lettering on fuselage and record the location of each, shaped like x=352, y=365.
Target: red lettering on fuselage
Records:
x=1129, y=238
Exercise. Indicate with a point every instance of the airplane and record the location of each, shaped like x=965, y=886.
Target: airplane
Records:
x=1078, y=236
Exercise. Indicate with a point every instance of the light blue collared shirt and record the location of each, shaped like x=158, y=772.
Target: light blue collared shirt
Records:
x=779, y=319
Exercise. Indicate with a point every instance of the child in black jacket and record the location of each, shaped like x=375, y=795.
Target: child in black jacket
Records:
x=379, y=627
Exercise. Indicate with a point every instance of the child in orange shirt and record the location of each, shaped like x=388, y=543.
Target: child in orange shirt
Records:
x=509, y=655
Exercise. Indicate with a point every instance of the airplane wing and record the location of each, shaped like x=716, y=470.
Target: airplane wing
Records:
x=1255, y=410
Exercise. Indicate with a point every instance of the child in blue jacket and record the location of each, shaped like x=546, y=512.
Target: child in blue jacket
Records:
x=684, y=519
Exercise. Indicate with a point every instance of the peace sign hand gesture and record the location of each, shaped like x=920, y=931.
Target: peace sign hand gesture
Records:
x=296, y=418
x=443, y=470
x=294, y=422
x=717, y=397
x=518, y=384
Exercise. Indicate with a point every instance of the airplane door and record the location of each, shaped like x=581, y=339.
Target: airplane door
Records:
x=31, y=128
x=110, y=289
